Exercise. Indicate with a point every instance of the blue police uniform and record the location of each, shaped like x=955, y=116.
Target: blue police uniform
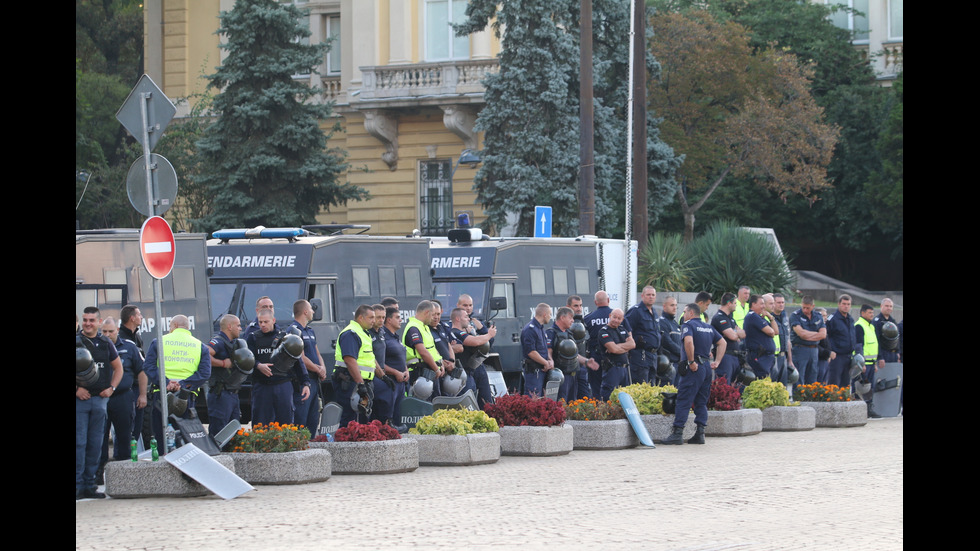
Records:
x=90, y=416
x=593, y=322
x=135, y=336
x=569, y=385
x=477, y=379
x=883, y=353
x=729, y=363
x=646, y=334
x=694, y=387
x=670, y=343
x=191, y=383
x=350, y=345
x=782, y=355
x=759, y=346
x=806, y=354
x=306, y=413
x=533, y=339
x=614, y=367
x=840, y=334
x=272, y=396
x=387, y=402
x=121, y=407
x=223, y=401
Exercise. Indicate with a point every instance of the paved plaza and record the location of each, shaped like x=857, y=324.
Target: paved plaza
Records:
x=834, y=489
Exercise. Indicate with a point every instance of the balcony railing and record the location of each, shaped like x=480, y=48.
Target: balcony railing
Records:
x=447, y=78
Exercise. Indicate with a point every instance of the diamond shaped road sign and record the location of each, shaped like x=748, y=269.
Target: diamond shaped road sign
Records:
x=159, y=111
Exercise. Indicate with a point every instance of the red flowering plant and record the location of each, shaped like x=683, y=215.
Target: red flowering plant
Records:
x=723, y=396
x=366, y=432
x=521, y=410
x=589, y=409
x=817, y=392
x=270, y=438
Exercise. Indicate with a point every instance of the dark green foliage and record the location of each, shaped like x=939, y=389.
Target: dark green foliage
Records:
x=665, y=263
x=265, y=160
x=531, y=118
x=726, y=256
x=179, y=146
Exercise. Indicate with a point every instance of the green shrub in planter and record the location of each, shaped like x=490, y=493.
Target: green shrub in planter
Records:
x=455, y=422
x=648, y=398
x=763, y=393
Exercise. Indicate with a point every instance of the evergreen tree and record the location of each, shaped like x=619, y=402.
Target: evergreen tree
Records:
x=265, y=159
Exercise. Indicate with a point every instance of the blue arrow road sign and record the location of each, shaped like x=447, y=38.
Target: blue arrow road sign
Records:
x=542, y=221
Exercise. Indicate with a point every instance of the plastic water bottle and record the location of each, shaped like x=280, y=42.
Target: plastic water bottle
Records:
x=133, y=454
x=171, y=435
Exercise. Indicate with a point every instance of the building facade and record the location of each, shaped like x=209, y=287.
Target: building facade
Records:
x=879, y=28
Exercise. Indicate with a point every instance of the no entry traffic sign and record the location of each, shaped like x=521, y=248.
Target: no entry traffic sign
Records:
x=157, y=247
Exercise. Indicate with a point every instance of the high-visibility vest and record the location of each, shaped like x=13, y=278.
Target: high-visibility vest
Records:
x=411, y=356
x=738, y=314
x=870, y=341
x=365, y=354
x=181, y=354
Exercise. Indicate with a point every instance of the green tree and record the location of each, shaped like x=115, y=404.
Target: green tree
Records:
x=734, y=112
x=531, y=117
x=265, y=159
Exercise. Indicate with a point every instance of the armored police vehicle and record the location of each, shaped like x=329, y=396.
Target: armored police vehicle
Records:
x=109, y=274
x=508, y=277
x=336, y=273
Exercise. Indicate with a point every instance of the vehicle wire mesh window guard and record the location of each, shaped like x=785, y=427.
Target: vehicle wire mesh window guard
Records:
x=436, y=197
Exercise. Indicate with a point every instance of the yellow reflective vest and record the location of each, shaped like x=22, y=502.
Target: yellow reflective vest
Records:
x=412, y=357
x=870, y=341
x=181, y=354
x=365, y=354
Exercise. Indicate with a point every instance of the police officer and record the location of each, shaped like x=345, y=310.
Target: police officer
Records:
x=263, y=303
x=643, y=320
x=356, y=366
x=555, y=335
x=130, y=321
x=582, y=376
x=694, y=378
x=725, y=325
x=594, y=321
x=91, y=400
x=420, y=347
x=225, y=382
x=867, y=345
x=121, y=408
x=534, y=350
x=743, y=306
x=703, y=300
x=784, y=356
x=841, y=335
x=387, y=402
x=807, y=330
x=670, y=339
x=469, y=337
x=884, y=316
x=272, y=391
x=187, y=368
x=383, y=394
x=616, y=341
x=306, y=410
x=442, y=338
x=759, y=332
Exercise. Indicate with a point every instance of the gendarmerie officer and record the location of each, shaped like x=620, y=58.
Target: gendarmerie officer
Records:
x=670, y=339
x=570, y=366
x=759, y=333
x=356, y=366
x=121, y=409
x=187, y=368
x=807, y=330
x=91, y=399
x=889, y=354
x=387, y=402
x=534, y=349
x=224, y=384
x=272, y=391
x=724, y=323
x=867, y=345
x=420, y=349
x=643, y=320
x=470, y=338
x=694, y=374
x=593, y=323
x=582, y=377
x=840, y=334
x=616, y=342
x=306, y=411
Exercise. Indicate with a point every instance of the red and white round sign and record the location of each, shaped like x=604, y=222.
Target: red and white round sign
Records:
x=157, y=247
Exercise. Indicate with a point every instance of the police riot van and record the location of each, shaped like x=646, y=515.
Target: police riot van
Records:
x=336, y=273
x=109, y=274
x=508, y=277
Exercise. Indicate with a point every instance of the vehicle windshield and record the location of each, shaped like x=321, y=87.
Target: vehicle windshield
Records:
x=448, y=292
x=240, y=298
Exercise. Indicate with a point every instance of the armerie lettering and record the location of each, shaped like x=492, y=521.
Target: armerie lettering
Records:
x=248, y=261
x=456, y=262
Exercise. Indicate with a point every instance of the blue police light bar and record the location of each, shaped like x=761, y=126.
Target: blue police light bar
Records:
x=259, y=232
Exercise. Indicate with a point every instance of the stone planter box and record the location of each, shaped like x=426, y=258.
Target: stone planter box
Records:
x=124, y=479
x=380, y=457
x=661, y=426
x=458, y=450
x=740, y=422
x=298, y=467
x=839, y=414
x=615, y=434
x=789, y=418
x=537, y=441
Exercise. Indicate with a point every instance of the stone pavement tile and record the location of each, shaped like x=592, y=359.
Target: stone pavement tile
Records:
x=770, y=491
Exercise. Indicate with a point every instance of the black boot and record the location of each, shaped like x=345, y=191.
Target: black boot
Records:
x=698, y=437
x=676, y=438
